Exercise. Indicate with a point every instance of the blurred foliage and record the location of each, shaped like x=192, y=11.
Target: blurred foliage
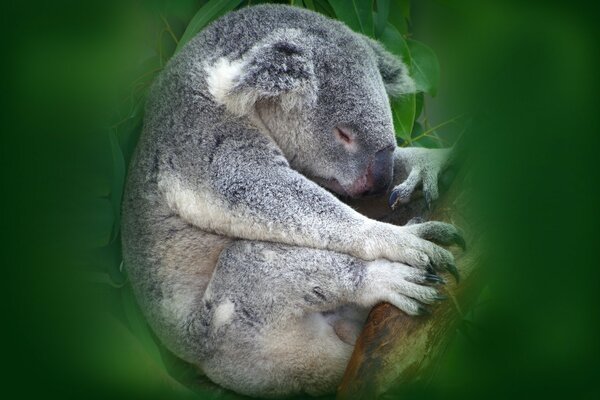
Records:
x=75, y=78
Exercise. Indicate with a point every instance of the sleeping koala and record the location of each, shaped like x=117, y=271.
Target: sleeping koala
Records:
x=242, y=261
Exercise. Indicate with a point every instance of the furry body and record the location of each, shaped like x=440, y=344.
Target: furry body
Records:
x=243, y=264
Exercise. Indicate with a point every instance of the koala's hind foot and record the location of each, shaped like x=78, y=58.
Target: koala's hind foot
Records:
x=277, y=320
x=401, y=285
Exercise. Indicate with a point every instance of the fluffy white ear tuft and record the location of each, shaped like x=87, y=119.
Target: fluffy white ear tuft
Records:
x=278, y=68
x=221, y=77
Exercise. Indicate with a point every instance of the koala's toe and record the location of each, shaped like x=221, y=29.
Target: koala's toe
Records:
x=454, y=271
x=406, y=304
x=425, y=277
x=430, y=189
x=402, y=192
x=440, y=232
x=416, y=258
x=427, y=295
x=440, y=258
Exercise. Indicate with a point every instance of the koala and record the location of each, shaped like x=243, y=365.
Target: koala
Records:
x=241, y=253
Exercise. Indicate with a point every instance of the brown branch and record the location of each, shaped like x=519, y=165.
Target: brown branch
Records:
x=395, y=348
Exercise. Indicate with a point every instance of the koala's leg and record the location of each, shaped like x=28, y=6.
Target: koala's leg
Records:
x=268, y=315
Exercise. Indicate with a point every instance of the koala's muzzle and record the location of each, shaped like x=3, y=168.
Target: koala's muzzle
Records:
x=379, y=173
x=377, y=177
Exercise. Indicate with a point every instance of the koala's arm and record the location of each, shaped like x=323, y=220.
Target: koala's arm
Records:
x=252, y=193
x=238, y=183
x=414, y=166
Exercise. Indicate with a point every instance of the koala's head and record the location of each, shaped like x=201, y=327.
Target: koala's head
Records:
x=324, y=100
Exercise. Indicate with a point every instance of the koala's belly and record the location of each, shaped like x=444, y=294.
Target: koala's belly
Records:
x=189, y=257
x=170, y=268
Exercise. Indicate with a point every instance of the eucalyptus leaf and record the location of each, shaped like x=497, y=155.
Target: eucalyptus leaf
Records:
x=207, y=13
x=309, y=4
x=357, y=14
x=403, y=110
x=400, y=15
x=394, y=42
x=429, y=142
x=324, y=7
x=381, y=18
x=420, y=97
x=424, y=68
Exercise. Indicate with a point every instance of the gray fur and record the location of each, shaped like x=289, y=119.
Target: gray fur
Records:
x=243, y=264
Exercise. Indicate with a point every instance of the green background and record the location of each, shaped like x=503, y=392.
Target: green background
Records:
x=526, y=73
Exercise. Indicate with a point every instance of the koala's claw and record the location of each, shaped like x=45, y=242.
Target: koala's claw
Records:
x=393, y=198
x=441, y=297
x=428, y=200
x=454, y=271
x=424, y=311
x=433, y=278
x=459, y=240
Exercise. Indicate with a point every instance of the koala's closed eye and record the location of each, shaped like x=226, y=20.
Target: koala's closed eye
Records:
x=342, y=135
x=345, y=138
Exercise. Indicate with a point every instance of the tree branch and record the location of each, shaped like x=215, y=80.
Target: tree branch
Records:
x=395, y=348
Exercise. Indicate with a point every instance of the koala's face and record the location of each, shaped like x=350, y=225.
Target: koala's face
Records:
x=350, y=126
x=325, y=102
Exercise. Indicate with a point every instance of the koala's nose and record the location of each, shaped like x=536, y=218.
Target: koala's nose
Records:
x=381, y=170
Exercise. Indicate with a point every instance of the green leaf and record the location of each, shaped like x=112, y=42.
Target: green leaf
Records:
x=394, y=42
x=420, y=97
x=357, y=14
x=403, y=110
x=424, y=68
x=400, y=15
x=324, y=7
x=309, y=4
x=208, y=12
x=381, y=18
x=429, y=142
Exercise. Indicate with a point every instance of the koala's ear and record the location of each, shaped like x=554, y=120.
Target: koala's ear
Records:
x=393, y=71
x=278, y=67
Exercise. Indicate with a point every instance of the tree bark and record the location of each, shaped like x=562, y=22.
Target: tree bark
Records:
x=395, y=348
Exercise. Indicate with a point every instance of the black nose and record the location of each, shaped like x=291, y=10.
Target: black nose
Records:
x=381, y=170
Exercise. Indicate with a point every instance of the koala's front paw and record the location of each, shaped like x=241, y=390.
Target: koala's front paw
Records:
x=417, y=246
x=403, y=286
x=425, y=165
